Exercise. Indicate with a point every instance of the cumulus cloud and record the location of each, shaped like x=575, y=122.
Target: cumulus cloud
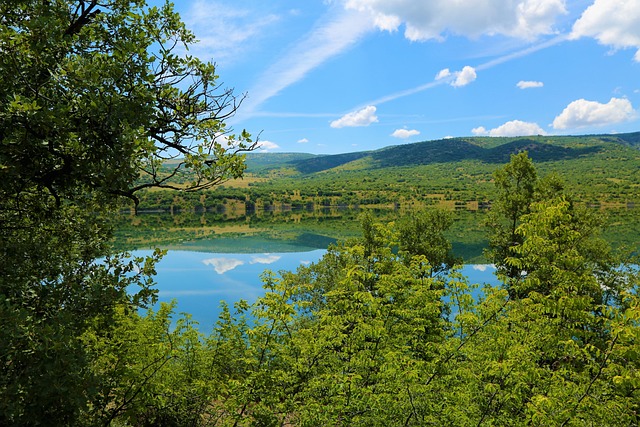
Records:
x=363, y=117
x=464, y=77
x=433, y=19
x=522, y=84
x=267, y=145
x=512, y=128
x=480, y=131
x=583, y=113
x=405, y=133
x=614, y=23
x=222, y=265
x=458, y=78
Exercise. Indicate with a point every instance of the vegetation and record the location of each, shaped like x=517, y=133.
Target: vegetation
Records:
x=90, y=111
x=382, y=331
x=453, y=174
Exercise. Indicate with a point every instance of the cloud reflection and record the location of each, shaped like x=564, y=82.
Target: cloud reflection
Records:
x=266, y=259
x=483, y=267
x=222, y=265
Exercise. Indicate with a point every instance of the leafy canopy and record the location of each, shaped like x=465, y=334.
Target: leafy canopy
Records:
x=98, y=100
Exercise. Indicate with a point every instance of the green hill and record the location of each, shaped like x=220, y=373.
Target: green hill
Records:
x=484, y=149
x=261, y=162
x=602, y=170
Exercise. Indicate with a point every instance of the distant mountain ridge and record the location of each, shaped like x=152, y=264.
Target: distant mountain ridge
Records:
x=485, y=149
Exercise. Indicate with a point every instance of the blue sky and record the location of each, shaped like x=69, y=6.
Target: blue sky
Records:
x=337, y=76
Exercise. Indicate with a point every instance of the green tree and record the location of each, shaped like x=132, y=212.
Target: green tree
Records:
x=515, y=184
x=422, y=233
x=95, y=97
x=553, y=355
x=360, y=356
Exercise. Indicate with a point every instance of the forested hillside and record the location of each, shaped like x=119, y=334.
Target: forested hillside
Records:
x=484, y=149
x=604, y=170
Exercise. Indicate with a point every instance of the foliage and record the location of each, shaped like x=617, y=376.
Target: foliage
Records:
x=95, y=97
x=366, y=337
x=515, y=184
x=422, y=233
x=99, y=100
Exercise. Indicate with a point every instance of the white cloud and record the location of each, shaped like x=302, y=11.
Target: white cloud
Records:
x=434, y=19
x=458, y=78
x=480, y=130
x=266, y=259
x=614, y=23
x=583, y=113
x=222, y=265
x=443, y=74
x=224, y=32
x=363, y=117
x=303, y=141
x=483, y=267
x=464, y=77
x=267, y=145
x=512, y=128
x=522, y=84
x=405, y=133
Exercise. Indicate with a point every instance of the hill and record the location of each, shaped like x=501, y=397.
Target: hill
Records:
x=485, y=149
x=260, y=162
x=602, y=170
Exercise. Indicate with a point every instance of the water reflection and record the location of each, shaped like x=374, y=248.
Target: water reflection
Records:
x=199, y=281
x=212, y=259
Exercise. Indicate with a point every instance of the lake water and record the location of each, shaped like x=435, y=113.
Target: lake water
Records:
x=212, y=260
x=199, y=281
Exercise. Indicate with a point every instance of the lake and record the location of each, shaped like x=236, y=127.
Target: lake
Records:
x=199, y=281
x=213, y=259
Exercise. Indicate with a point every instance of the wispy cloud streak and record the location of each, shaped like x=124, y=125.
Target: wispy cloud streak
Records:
x=224, y=31
x=334, y=34
x=524, y=52
x=485, y=66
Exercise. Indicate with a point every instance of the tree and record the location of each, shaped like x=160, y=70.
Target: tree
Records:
x=559, y=351
x=422, y=233
x=515, y=185
x=95, y=97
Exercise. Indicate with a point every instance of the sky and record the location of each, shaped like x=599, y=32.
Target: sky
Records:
x=337, y=76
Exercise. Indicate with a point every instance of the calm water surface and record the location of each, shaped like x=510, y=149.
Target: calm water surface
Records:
x=199, y=281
